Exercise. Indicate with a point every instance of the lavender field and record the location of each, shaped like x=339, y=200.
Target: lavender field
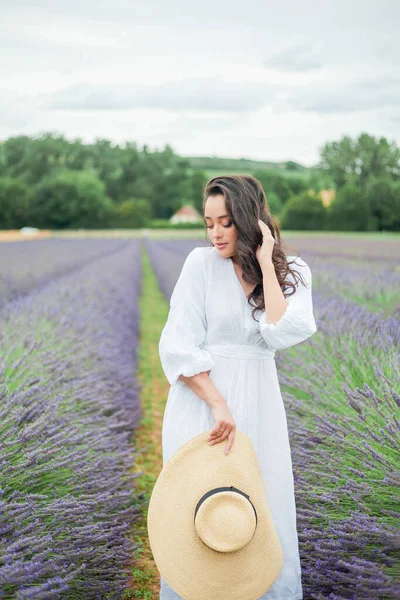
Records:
x=341, y=390
x=23, y=266
x=69, y=408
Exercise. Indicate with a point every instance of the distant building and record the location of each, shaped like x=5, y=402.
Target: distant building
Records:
x=327, y=196
x=186, y=214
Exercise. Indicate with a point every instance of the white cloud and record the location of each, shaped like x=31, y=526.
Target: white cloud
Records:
x=18, y=112
x=201, y=94
x=264, y=80
x=302, y=54
x=348, y=94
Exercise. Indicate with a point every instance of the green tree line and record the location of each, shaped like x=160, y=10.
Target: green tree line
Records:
x=51, y=182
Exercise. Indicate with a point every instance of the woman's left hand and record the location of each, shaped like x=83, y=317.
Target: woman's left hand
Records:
x=264, y=252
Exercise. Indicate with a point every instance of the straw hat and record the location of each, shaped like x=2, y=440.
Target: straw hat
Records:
x=209, y=524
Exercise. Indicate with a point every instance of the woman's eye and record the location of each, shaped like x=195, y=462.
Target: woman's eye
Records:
x=227, y=225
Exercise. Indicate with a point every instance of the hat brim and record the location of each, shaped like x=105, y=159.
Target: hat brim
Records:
x=192, y=569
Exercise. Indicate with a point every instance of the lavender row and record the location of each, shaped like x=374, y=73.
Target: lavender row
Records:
x=69, y=407
x=374, y=285
x=341, y=393
x=367, y=247
x=167, y=258
x=26, y=265
x=364, y=269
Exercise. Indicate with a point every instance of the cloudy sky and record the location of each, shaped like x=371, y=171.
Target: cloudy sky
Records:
x=255, y=79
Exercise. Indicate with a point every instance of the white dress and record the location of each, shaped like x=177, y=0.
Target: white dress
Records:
x=210, y=327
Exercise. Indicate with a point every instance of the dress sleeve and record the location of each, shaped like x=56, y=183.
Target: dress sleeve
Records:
x=186, y=326
x=297, y=322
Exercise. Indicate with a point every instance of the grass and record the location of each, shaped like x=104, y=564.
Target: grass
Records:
x=154, y=311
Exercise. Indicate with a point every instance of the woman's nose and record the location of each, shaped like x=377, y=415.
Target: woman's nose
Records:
x=217, y=232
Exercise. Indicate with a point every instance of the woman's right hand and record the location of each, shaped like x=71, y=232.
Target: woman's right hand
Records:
x=225, y=426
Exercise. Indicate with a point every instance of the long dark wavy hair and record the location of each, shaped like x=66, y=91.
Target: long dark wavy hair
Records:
x=246, y=202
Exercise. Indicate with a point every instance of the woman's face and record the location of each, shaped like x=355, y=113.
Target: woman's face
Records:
x=220, y=227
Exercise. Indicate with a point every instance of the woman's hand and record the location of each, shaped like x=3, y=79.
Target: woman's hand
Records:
x=225, y=426
x=264, y=251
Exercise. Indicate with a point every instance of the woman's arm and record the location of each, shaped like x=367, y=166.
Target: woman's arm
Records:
x=224, y=427
x=202, y=385
x=287, y=321
x=186, y=327
x=275, y=301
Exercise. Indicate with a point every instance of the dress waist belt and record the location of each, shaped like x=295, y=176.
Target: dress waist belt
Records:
x=240, y=351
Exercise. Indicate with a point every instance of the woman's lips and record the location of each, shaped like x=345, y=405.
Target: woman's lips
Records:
x=221, y=245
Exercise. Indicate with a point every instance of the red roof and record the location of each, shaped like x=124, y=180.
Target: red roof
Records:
x=188, y=211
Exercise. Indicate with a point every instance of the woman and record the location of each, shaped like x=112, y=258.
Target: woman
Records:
x=234, y=304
